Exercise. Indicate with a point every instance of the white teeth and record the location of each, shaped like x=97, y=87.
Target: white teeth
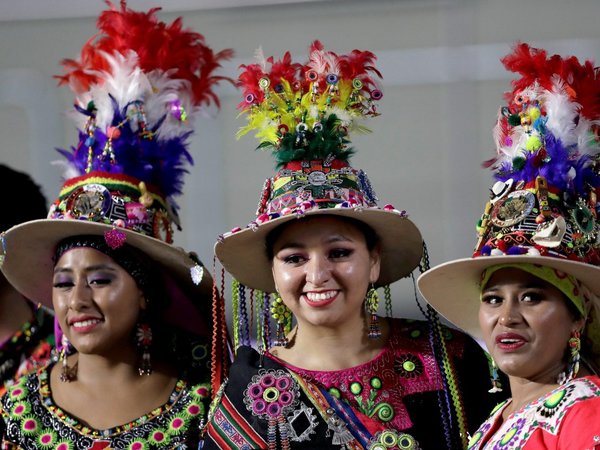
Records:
x=320, y=296
x=509, y=341
x=85, y=323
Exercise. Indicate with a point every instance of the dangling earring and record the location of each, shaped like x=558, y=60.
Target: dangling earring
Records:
x=282, y=315
x=495, y=378
x=144, y=341
x=371, y=307
x=574, y=348
x=67, y=374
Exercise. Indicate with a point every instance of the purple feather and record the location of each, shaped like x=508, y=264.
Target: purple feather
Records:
x=555, y=166
x=161, y=163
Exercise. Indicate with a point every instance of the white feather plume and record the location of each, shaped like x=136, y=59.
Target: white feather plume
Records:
x=562, y=113
x=166, y=90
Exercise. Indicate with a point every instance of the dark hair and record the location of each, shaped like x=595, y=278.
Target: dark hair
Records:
x=371, y=237
x=23, y=201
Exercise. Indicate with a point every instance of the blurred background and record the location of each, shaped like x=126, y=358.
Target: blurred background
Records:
x=443, y=85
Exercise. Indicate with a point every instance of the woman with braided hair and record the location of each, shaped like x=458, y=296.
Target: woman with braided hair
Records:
x=336, y=375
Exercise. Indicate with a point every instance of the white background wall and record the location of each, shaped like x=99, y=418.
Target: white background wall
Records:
x=443, y=85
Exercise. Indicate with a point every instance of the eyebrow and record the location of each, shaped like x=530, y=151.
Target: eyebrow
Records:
x=330, y=240
x=87, y=269
x=531, y=285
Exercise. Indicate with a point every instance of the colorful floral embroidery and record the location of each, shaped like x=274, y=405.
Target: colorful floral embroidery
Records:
x=392, y=440
x=545, y=414
x=34, y=422
x=406, y=366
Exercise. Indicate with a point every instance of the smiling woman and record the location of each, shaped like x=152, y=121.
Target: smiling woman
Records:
x=133, y=311
x=336, y=375
x=531, y=289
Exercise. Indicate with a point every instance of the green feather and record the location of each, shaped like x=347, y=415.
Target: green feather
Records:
x=330, y=141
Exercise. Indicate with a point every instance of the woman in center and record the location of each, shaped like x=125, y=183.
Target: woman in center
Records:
x=336, y=375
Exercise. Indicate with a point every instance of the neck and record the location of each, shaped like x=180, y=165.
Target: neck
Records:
x=100, y=369
x=318, y=348
x=525, y=391
x=14, y=311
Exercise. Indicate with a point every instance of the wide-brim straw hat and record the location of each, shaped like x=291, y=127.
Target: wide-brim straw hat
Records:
x=454, y=289
x=543, y=207
x=244, y=253
x=28, y=264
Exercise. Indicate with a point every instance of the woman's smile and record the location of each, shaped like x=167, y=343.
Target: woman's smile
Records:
x=321, y=298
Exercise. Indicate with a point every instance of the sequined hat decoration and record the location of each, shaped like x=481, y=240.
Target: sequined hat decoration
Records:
x=304, y=113
x=543, y=207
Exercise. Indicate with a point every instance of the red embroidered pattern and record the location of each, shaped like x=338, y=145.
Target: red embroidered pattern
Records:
x=405, y=366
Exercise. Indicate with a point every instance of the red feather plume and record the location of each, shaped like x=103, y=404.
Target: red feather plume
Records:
x=359, y=64
x=158, y=46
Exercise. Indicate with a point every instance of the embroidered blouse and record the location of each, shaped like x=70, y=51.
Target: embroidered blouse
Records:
x=568, y=418
x=399, y=391
x=32, y=421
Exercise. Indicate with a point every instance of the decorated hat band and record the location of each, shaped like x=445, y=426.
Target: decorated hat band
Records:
x=303, y=185
x=535, y=219
x=117, y=200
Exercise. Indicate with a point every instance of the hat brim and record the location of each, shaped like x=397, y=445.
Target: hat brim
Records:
x=453, y=288
x=29, y=256
x=244, y=254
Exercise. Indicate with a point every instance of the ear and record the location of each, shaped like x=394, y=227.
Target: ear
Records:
x=273, y=275
x=375, y=261
x=579, y=325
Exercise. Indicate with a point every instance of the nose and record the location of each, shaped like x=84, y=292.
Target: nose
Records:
x=509, y=313
x=80, y=295
x=318, y=270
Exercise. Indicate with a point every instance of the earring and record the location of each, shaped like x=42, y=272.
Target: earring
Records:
x=144, y=341
x=67, y=374
x=283, y=316
x=371, y=307
x=494, y=377
x=574, y=347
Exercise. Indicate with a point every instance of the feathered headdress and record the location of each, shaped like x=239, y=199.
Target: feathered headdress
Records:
x=543, y=210
x=548, y=161
x=550, y=126
x=306, y=111
x=138, y=83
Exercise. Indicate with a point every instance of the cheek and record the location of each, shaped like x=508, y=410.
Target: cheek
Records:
x=59, y=304
x=285, y=276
